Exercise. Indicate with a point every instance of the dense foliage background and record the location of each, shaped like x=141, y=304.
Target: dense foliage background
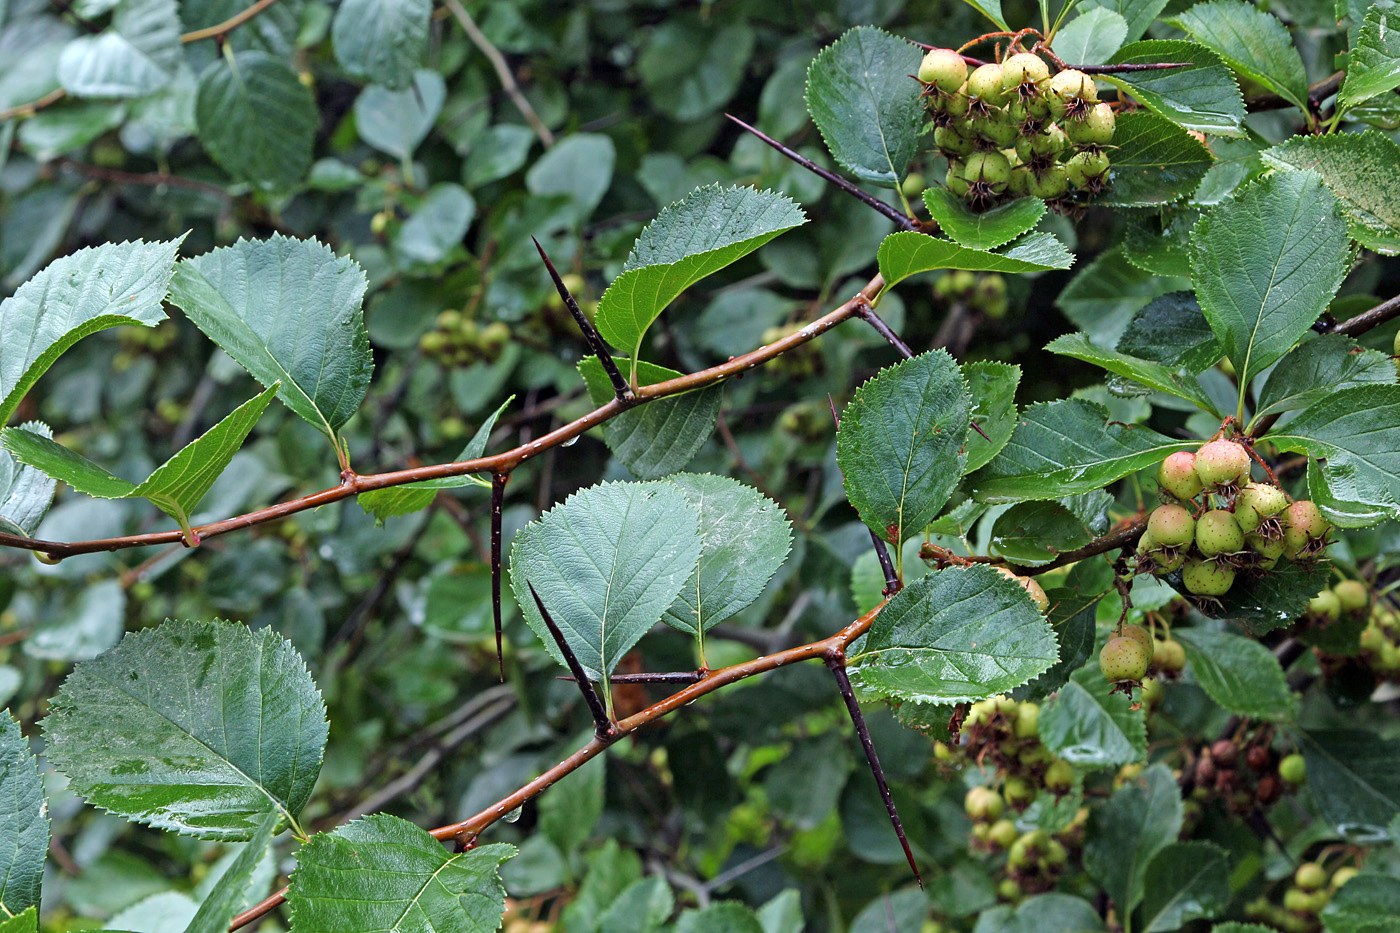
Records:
x=412, y=158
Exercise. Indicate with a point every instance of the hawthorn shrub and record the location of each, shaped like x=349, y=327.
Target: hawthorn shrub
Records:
x=1115, y=643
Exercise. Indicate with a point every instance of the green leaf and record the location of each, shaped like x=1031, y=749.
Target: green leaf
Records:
x=230, y=893
x=176, y=487
x=1320, y=367
x=1127, y=832
x=1202, y=96
x=410, y=497
x=1264, y=602
x=25, y=493
x=958, y=634
x=203, y=728
x=1089, y=726
x=1159, y=241
x=1031, y=533
x=727, y=917
x=1368, y=903
x=256, y=119
x=1155, y=162
x=987, y=230
x=1252, y=42
x=607, y=563
x=381, y=41
x=1373, y=66
x=1358, y=169
x=1068, y=447
x=745, y=538
x=439, y=223
x=1238, y=673
x=86, y=291
x=1353, y=781
x=909, y=252
x=1155, y=375
x=1043, y=913
x=990, y=9
x=900, y=446
x=992, y=385
x=701, y=234
x=27, y=922
x=24, y=821
x=1139, y=14
x=579, y=166
x=383, y=873
x=642, y=908
x=1072, y=617
x=1091, y=37
x=661, y=436
x=863, y=101
x=136, y=55
x=397, y=121
x=690, y=66
x=1172, y=330
x=1355, y=433
x=1266, y=263
x=288, y=311
x=1185, y=881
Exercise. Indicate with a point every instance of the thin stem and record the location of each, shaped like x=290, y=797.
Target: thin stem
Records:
x=1126, y=535
x=590, y=334
x=497, y=463
x=836, y=663
x=660, y=677
x=228, y=25
x=498, y=498
x=904, y=221
x=602, y=722
x=25, y=110
x=503, y=72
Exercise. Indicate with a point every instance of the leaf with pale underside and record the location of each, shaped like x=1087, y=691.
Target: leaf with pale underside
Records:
x=699, y=235
x=230, y=892
x=203, y=728
x=606, y=562
x=746, y=537
x=956, y=635
x=25, y=493
x=1154, y=375
x=24, y=821
x=1359, y=169
x=908, y=253
x=382, y=41
x=385, y=874
x=901, y=443
x=136, y=55
x=288, y=311
x=79, y=294
x=665, y=434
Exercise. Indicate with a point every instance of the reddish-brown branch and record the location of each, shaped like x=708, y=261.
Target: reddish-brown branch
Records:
x=218, y=30
x=1125, y=535
x=468, y=829
x=353, y=484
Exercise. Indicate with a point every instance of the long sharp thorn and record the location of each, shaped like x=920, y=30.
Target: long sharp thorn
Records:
x=905, y=222
x=498, y=498
x=884, y=330
x=601, y=724
x=590, y=333
x=838, y=670
x=978, y=428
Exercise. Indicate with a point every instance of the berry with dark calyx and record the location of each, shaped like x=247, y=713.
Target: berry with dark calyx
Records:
x=1017, y=791
x=1305, y=531
x=1207, y=577
x=1096, y=129
x=1025, y=850
x=1059, y=777
x=1310, y=876
x=995, y=129
x=1352, y=595
x=1018, y=184
x=1055, y=855
x=1049, y=184
x=1177, y=475
x=1070, y=94
x=1218, y=533
x=1124, y=659
x=956, y=105
x=986, y=174
x=1222, y=466
x=952, y=143
x=1171, y=526
x=984, y=88
x=1266, y=552
x=1023, y=70
x=1256, y=503
x=989, y=297
x=1049, y=143
x=1009, y=889
x=1325, y=606
x=1003, y=833
x=983, y=804
x=954, y=179
x=1293, y=769
x=1087, y=171
x=944, y=69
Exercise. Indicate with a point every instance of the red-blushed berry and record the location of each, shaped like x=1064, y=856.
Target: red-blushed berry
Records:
x=1177, y=475
x=1352, y=595
x=1170, y=526
x=1305, y=531
x=1256, y=503
x=1032, y=588
x=1140, y=635
x=1207, y=577
x=1222, y=465
x=944, y=69
x=1218, y=533
x=1124, y=659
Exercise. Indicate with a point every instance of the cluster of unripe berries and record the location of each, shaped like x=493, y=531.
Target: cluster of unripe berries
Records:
x=985, y=293
x=1311, y=889
x=1013, y=129
x=457, y=340
x=1243, y=776
x=1239, y=525
x=1132, y=651
x=1034, y=859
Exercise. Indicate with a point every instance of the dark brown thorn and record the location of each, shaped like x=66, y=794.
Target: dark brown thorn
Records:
x=837, y=664
x=978, y=428
x=498, y=498
x=602, y=725
x=590, y=333
x=903, y=220
x=660, y=677
x=867, y=314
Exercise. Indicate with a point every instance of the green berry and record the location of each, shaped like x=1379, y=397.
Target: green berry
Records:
x=1124, y=659
x=1070, y=94
x=1325, y=605
x=1305, y=530
x=1059, y=776
x=1140, y=635
x=1293, y=769
x=984, y=85
x=1055, y=855
x=1023, y=68
x=1256, y=502
x=1177, y=475
x=1218, y=533
x=1352, y=595
x=1027, y=722
x=1169, y=656
x=1018, y=184
x=1003, y=833
x=1207, y=578
x=1032, y=588
x=943, y=68
x=1049, y=143
x=1087, y=170
x=1171, y=526
x=956, y=104
x=1269, y=551
x=1017, y=791
x=983, y=804
x=1297, y=900
x=952, y=143
x=1310, y=876
x=1096, y=129
x=995, y=129
x=988, y=168
x=1342, y=875
x=954, y=179
x=1222, y=464
x=1049, y=184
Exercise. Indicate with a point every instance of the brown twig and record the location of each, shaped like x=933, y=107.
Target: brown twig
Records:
x=1317, y=93
x=33, y=106
x=144, y=179
x=354, y=484
x=502, y=69
x=1374, y=317
x=867, y=314
x=219, y=30
x=1125, y=535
